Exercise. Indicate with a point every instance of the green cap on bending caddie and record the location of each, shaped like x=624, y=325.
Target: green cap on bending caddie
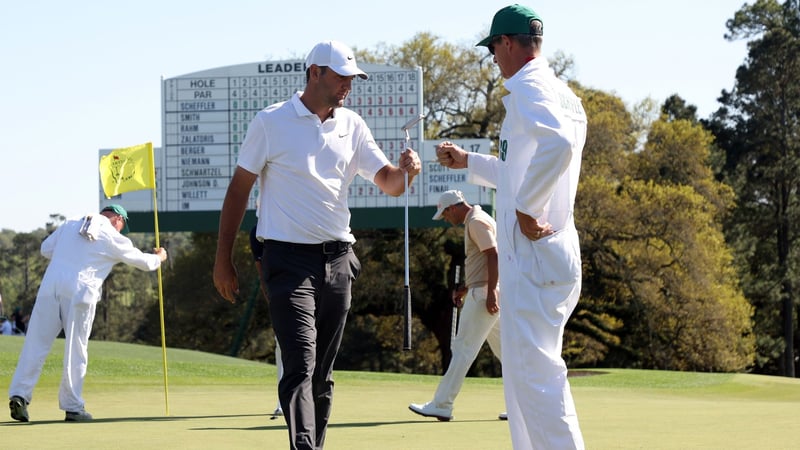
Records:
x=118, y=209
x=514, y=19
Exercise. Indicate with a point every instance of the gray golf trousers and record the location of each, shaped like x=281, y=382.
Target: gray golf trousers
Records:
x=309, y=290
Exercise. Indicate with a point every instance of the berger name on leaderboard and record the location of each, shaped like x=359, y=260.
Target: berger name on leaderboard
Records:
x=197, y=150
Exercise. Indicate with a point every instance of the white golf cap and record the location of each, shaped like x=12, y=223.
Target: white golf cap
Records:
x=449, y=198
x=337, y=56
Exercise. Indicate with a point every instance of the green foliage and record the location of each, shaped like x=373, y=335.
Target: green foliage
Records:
x=757, y=128
x=676, y=108
x=197, y=318
x=678, y=152
x=373, y=343
x=377, y=302
x=611, y=135
x=21, y=269
x=657, y=273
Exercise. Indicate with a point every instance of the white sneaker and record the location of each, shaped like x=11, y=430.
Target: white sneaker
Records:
x=430, y=410
x=503, y=416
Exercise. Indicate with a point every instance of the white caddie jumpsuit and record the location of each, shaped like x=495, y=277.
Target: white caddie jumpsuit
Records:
x=67, y=297
x=536, y=172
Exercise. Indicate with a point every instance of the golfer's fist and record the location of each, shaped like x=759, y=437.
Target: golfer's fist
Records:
x=409, y=162
x=451, y=155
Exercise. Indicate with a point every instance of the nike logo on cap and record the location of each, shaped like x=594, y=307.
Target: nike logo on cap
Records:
x=349, y=58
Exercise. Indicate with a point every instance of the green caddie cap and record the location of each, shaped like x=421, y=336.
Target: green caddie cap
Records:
x=118, y=209
x=514, y=19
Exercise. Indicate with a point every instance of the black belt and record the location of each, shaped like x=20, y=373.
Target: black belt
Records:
x=326, y=248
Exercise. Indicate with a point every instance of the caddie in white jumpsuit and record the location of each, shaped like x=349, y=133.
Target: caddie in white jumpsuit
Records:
x=481, y=308
x=536, y=176
x=82, y=252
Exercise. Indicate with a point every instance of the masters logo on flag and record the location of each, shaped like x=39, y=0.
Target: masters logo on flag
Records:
x=128, y=169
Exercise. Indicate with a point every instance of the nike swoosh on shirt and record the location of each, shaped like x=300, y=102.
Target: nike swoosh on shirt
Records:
x=343, y=135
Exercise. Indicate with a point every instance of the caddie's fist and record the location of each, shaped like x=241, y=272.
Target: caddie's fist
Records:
x=451, y=155
x=161, y=252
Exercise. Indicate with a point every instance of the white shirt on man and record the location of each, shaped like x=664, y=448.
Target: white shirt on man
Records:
x=305, y=167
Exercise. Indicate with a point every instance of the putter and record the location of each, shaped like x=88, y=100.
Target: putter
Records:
x=406, y=287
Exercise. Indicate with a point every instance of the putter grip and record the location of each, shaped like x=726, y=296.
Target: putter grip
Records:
x=406, y=318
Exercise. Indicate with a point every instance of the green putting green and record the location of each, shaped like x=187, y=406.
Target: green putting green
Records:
x=221, y=402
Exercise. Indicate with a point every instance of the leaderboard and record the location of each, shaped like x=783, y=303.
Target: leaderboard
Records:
x=205, y=116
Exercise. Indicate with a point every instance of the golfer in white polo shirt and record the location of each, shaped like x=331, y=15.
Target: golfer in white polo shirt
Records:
x=305, y=152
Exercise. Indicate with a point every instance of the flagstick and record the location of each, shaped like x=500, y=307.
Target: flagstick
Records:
x=160, y=290
x=130, y=161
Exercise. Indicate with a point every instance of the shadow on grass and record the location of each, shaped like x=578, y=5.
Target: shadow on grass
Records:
x=137, y=419
x=340, y=425
x=272, y=425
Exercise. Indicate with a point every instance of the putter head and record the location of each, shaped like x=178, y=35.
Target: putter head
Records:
x=411, y=123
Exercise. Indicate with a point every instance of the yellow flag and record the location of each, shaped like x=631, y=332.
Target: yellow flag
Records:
x=128, y=169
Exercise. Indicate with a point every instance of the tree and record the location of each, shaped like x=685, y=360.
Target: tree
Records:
x=377, y=295
x=197, y=318
x=657, y=275
x=676, y=108
x=22, y=267
x=758, y=128
x=697, y=285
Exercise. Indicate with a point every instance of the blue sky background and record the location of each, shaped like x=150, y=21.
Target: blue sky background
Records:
x=84, y=75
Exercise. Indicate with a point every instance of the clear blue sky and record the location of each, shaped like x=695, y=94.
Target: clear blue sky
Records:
x=84, y=75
